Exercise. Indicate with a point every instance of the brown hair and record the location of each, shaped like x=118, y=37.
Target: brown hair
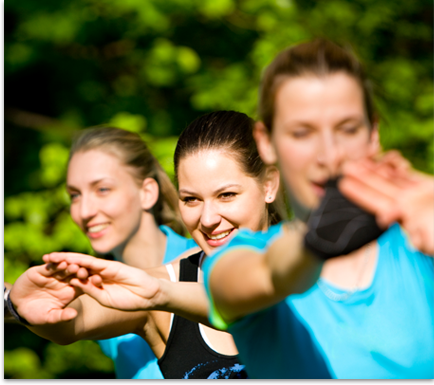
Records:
x=320, y=58
x=233, y=132
x=132, y=151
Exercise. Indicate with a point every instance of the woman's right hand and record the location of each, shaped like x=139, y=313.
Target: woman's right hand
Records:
x=394, y=192
x=112, y=284
x=40, y=295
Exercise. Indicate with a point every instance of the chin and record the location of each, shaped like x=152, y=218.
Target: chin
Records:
x=102, y=250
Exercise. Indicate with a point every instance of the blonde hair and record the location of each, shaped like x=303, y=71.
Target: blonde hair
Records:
x=133, y=152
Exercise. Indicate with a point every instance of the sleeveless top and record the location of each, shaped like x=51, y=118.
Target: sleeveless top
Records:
x=187, y=355
x=132, y=356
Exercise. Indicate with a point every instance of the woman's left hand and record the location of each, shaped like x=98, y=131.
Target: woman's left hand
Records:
x=394, y=192
x=112, y=284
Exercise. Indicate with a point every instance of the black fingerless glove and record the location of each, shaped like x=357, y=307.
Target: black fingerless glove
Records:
x=338, y=227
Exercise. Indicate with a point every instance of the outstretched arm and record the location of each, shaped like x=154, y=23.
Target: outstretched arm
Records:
x=123, y=287
x=394, y=192
x=243, y=280
x=57, y=311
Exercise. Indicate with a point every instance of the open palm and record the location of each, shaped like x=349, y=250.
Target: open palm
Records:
x=40, y=296
x=112, y=284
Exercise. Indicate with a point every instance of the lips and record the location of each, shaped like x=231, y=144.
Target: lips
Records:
x=97, y=231
x=319, y=188
x=219, y=236
x=216, y=240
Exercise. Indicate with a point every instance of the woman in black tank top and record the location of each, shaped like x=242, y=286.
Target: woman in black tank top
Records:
x=187, y=355
x=223, y=186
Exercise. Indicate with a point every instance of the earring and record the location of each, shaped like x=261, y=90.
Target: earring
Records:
x=269, y=198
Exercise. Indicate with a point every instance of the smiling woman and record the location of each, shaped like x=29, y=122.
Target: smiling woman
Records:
x=223, y=183
x=224, y=186
x=127, y=206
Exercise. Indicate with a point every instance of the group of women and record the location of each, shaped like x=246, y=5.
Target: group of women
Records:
x=342, y=290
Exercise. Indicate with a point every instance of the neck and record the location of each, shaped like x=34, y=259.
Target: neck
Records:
x=300, y=211
x=146, y=247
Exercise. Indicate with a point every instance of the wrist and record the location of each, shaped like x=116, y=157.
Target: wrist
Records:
x=160, y=300
x=10, y=308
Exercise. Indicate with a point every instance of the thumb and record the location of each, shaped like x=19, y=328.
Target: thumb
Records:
x=61, y=315
x=87, y=287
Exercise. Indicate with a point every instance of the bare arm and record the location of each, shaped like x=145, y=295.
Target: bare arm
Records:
x=58, y=312
x=245, y=281
x=116, y=285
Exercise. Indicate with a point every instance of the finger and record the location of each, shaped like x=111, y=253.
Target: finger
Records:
x=371, y=179
x=61, y=315
x=69, y=270
x=57, y=257
x=96, y=280
x=88, y=262
x=88, y=288
x=370, y=199
x=396, y=160
x=82, y=273
x=48, y=270
x=54, y=257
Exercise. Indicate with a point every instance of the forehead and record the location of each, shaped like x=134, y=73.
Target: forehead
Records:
x=312, y=99
x=94, y=164
x=209, y=167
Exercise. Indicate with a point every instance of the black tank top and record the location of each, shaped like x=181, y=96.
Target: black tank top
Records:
x=187, y=355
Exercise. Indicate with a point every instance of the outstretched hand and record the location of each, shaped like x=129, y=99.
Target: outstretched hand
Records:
x=40, y=295
x=112, y=284
x=394, y=192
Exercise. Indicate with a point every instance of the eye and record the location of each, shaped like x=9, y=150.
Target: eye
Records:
x=227, y=195
x=300, y=133
x=73, y=196
x=350, y=130
x=189, y=200
x=103, y=190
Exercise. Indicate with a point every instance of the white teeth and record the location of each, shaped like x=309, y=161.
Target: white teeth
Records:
x=219, y=236
x=95, y=229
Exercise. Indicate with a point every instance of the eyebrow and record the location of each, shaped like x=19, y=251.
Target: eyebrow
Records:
x=357, y=119
x=219, y=190
x=93, y=183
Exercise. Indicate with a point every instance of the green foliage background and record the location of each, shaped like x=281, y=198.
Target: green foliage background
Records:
x=153, y=66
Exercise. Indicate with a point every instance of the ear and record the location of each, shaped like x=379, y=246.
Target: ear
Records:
x=263, y=143
x=149, y=193
x=271, y=183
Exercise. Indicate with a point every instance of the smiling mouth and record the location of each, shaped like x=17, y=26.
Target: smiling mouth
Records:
x=97, y=228
x=219, y=236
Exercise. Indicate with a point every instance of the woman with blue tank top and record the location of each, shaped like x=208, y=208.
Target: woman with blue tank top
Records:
x=127, y=206
x=330, y=294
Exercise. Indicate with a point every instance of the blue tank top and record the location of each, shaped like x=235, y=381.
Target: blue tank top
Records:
x=132, y=356
x=385, y=331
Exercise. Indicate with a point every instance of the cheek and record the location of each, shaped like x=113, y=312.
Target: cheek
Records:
x=189, y=216
x=295, y=161
x=251, y=212
x=74, y=211
x=126, y=209
x=358, y=147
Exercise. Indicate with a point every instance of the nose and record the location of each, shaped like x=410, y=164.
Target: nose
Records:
x=87, y=207
x=210, y=218
x=330, y=153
